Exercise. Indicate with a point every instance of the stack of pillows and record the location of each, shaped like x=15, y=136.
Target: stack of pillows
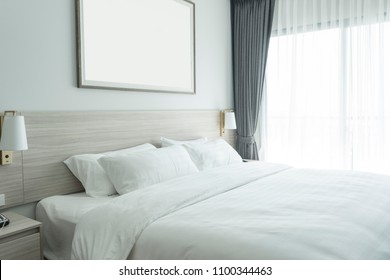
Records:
x=137, y=167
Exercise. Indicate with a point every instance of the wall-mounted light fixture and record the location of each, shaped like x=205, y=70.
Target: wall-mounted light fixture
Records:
x=13, y=136
x=228, y=120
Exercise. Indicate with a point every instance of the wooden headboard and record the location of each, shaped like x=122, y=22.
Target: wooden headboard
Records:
x=54, y=136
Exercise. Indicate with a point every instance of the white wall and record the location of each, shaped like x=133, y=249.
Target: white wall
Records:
x=38, y=62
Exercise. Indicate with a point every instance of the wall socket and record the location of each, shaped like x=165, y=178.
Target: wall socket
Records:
x=6, y=157
x=2, y=199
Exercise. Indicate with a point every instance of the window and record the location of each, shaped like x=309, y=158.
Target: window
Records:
x=327, y=99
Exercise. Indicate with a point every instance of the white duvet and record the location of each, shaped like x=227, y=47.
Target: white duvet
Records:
x=245, y=211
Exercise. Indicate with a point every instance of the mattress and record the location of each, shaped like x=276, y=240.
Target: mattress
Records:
x=59, y=216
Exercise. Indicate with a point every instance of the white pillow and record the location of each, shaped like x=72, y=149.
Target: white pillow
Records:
x=213, y=154
x=135, y=171
x=165, y=142
x=92, y=176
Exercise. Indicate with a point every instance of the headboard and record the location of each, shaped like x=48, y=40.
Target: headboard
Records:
x=54, y=136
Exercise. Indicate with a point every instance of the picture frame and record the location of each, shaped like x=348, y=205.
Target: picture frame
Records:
x=136, y=45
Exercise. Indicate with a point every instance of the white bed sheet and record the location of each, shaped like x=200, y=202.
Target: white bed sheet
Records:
x=291, y=214
x=59, y=215
x=294, y=214
x=288, y=214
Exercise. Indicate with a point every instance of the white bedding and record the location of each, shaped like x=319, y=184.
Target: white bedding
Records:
x=298, y=214
x=59, y=215
x=245, y=211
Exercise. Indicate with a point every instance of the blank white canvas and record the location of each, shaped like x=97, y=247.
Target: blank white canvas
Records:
x=140, y=44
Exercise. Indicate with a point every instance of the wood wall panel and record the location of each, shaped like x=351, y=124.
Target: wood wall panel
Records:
x=11, y=181
x=54, y=136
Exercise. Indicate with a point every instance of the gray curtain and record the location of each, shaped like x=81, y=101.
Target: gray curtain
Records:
x=251, y=31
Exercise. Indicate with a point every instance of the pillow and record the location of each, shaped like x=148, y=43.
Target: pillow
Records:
x=165, y=142
x=139, y=170
x=92, y=176
x=213, y=154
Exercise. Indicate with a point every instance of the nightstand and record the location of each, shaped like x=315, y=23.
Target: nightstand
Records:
x=21, y=239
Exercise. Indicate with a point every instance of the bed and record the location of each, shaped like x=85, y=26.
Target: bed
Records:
x=222, y=209
x=248, y=210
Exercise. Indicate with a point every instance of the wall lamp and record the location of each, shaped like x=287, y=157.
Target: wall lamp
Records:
x=228, y=120
x=13, y=136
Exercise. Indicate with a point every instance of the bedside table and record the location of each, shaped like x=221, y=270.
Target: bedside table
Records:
x=21, y=239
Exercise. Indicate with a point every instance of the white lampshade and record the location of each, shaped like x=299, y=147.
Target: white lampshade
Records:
x=13, y=134
x=230, y=120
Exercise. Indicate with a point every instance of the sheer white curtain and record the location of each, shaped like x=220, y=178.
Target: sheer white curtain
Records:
x=327, y=101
